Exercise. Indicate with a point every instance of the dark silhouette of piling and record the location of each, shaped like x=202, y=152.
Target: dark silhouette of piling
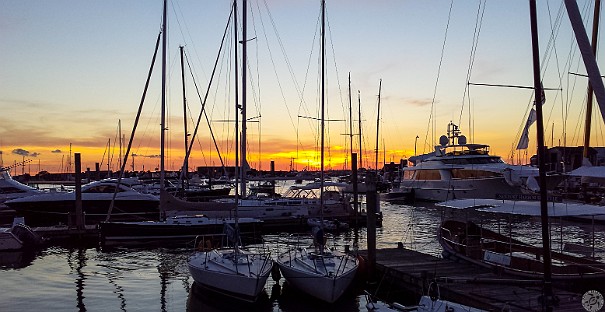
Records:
x=354, y=183
x=78, y=184
x=371, y=206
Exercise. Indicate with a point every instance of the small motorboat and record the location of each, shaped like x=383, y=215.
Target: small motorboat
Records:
x=19, y=236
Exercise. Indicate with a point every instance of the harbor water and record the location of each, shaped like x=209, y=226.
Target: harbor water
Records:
x=88, y=278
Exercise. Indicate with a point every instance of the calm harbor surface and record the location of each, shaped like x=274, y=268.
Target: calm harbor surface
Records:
x=152, y=279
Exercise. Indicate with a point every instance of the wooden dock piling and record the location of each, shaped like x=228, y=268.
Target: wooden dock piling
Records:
x=371, y=202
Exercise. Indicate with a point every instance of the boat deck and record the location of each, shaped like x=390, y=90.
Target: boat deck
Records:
x=400, y=269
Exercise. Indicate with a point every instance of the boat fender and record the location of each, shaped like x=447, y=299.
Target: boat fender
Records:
x=433, y=291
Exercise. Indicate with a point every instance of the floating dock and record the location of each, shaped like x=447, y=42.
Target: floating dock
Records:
x=63, y=233
x=400, y=269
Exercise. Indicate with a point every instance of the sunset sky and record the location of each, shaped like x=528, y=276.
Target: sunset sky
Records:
x=70, y=71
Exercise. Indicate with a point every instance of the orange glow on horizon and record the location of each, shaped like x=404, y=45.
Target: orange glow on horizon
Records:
x=58, y=160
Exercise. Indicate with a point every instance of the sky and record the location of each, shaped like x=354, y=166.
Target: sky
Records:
x=72, y=74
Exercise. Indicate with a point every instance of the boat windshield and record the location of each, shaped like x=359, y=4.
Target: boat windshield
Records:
x=472, y=161
x=103, y=188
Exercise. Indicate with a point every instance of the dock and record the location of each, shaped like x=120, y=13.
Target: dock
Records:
x=400, y=269
x=57, y=235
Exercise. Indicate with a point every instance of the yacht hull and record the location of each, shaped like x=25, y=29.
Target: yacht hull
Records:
x=442, y=190
x=119, y=233
x=62, y=211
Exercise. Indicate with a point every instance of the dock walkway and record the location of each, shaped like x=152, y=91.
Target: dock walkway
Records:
x=462, y=282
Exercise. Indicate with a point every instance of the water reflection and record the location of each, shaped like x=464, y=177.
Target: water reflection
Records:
x=158, y=278
x=10, y=260
x=113, y=274
x=203, y=299
x=293, y=300
x=170, y=268
x=80, y=280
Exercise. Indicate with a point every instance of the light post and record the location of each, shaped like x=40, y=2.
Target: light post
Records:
x=415, y=142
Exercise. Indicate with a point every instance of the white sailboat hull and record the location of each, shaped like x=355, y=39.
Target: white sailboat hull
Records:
x=325, y=278
x=244, y=278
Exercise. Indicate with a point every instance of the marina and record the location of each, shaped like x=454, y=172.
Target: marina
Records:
x=174, y=217
x=88, y=277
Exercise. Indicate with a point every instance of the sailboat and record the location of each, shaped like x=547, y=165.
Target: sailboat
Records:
x=319, y=272
x=236, y=271
x=175, y=227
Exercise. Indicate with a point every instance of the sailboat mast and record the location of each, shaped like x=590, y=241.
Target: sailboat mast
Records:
x=548, y=292
x=378, y=123
x=120, y=134
x=185, y=168
x=163, y=115
x=108, y=160
x=384, y=151
x=323, y=100
x=244, y=163
x=359, y=100
x=237, y=107
x=595, y=31
x=350, y=121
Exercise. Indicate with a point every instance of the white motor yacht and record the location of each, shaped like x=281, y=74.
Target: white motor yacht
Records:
x=18, y=237
x=53, y=208
x=11, y=189
x=458, y=169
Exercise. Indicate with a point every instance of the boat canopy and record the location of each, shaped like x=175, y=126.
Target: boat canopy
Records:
x=526, y=208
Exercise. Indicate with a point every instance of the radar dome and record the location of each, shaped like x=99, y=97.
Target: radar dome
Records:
x=443, y=140
x=462, y=140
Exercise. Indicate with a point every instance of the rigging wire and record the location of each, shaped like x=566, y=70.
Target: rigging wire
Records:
x=257, y=91
x=342, y=101
x=300, y=91
x=471, y=61
x=433, y=108
x=203, y=102
x=205, y=114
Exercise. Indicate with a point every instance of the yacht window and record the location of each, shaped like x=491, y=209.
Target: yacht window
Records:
x=472, y=161
x=408, y=175
x=427, y=175
x=455, y=161
x=473, y=174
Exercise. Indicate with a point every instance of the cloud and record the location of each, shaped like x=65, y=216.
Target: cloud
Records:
x=57, y=151
x=419, y=102
x=25, y=103
x=22, y=152
x=147, y=156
